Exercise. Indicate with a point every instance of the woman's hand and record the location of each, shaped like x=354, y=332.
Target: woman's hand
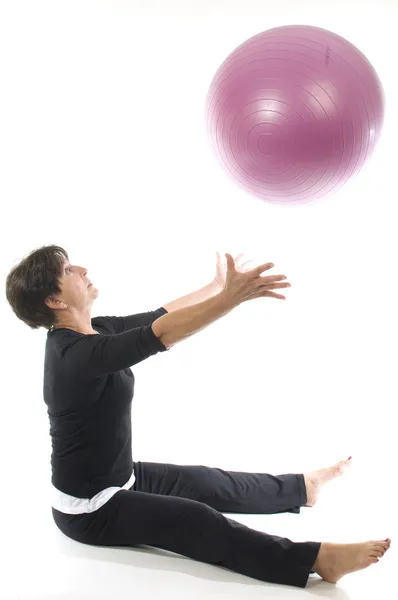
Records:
x=221, y=270
x=242, y=286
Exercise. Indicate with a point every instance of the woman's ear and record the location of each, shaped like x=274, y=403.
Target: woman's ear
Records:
x=55, y=304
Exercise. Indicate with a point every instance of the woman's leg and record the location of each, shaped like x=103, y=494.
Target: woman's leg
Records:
x=226, y=491
x=195, y=530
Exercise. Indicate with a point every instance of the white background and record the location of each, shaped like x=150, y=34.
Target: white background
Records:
x=103, y=151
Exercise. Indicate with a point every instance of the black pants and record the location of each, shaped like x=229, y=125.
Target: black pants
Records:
x=179, y=509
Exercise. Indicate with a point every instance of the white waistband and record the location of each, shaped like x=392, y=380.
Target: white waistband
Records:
x=75, y=506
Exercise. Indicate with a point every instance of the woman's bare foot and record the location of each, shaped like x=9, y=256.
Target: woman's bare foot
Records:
x=316, y=480
x=336, y=560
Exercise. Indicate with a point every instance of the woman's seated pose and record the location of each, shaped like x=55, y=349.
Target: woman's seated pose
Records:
x=100, y=495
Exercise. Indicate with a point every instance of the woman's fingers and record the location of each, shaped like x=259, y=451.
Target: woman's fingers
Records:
x=271, y=279
x=274, y=295
x=264, y=267
x=275, y=286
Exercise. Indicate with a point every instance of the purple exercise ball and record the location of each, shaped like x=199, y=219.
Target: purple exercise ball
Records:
x=294, y=112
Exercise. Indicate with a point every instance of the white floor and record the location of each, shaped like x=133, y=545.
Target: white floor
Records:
x=42, y=564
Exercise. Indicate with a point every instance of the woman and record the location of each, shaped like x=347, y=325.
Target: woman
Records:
x=101, y=496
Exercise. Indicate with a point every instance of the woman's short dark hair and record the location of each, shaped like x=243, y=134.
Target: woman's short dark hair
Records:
x=33, y=280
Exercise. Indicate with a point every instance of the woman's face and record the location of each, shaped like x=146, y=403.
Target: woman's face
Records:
x=77, y=290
